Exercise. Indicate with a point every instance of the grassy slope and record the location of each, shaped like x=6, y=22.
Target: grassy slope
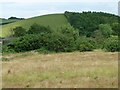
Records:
x=7, y=21
x=67, y=70
x=54, y=21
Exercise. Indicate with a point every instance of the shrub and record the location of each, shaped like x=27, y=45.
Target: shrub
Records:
x=52, y=42
x=112, y=44
x=69, y=31
x=61, y=43
x=26, y=43
x=85, y=44
x=7, y=49
x=43, y=50
x=36, y=29
x=116, y=28
x=98, y=37
x=106, y=30
x=19, y=31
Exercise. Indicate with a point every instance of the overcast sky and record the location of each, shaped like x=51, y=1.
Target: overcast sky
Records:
x=31, y=8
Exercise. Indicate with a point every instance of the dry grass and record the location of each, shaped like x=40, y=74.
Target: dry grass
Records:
x=77, y=69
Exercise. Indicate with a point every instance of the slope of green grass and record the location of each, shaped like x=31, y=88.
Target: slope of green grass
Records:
x=7, y=21
x=53, y=20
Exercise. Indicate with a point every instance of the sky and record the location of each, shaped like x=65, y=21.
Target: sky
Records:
x=31, y=8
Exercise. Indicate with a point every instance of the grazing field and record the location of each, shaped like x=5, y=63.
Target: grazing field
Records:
x=63, y=70
x=6, y=21
x=53, y=20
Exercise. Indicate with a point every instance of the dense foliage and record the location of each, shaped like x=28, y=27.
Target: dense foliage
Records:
x=15, y=18
x=52, y=42
x=88, y=31
x=88, y=22
x=35, y=29
x=66, y=40
x=116, y=28
x=112, y=44
x=19, y=31
x=105, y=29
x=85, y=44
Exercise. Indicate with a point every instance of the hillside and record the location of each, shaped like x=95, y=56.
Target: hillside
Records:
x=86, y=22
x=68, y=32
x=7, y=21
x=54, y=21
x=89, y=22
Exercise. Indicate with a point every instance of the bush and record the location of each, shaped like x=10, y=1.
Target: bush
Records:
x=106, y=30
x=43, y=50
x=61, y=43
x=26, y=43
x=116, y=28
x=112, y=44
x=37, y=29
x=69, y=31
x=85, y=44
x=52, y=42
x=99, y=38
x=19, y=31
x=7, y=49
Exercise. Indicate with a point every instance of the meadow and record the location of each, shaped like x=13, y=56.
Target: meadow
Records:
x=95, y=69
x=6, y=21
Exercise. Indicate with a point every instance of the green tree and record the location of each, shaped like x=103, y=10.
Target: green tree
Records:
x=69, y=31
x=116, y=28
x=88, y=22
x=85, y=44
x=98, y=37
x=105, y=29
x=112, y=44
x=19, y=31
x=51, y=42
x=36, y=29
x=61, y=43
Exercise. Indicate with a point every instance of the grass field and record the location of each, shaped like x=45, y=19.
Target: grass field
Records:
x=53, y=20
x=96, y=69
x=6, y=21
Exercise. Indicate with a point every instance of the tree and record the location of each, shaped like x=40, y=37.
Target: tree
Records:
x=51, y=42
x=37, y=29
x=98, y=37
x=112, y=44
x=85, y=44
x=19, y=31
x=16, y=18
x=116, y=28
x=88, y=22
x=69, y=31
x=105, y=29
